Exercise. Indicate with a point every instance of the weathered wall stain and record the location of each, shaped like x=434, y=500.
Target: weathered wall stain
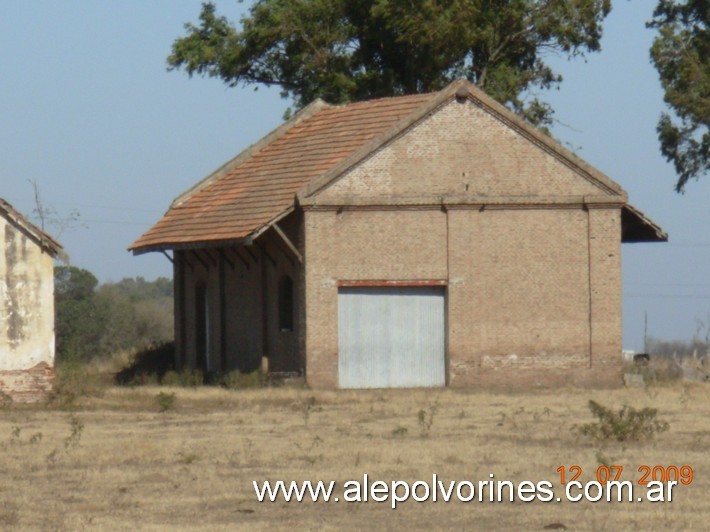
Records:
x=15, y=332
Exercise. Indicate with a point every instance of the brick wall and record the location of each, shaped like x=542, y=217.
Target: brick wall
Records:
x=362, y=245
x=534, y=287
x=520, y=311
x=461, y=149
x=27, y=385
x=519, y=295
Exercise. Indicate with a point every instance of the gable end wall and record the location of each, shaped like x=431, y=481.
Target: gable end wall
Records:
x=461, y=149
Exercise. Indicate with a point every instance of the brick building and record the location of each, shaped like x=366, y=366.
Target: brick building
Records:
x=26, y=308
x=423, y=240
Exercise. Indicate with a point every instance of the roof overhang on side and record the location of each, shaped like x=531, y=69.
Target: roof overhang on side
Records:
x=186, y=244
x=636, y=227
x=172, y=246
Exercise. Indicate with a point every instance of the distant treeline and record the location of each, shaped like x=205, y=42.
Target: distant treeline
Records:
x=94, y=321
x=698, y=347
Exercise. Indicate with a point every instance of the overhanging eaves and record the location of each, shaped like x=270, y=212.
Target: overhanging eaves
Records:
x=637, y=227
x=166, y=246
x=237, y=240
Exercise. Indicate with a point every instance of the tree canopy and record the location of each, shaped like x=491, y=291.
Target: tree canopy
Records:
x=350, y=50
x=94, y=321
x=681, y=54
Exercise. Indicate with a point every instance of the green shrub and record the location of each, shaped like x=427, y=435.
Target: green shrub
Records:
x=628, y=424
x=165, y=401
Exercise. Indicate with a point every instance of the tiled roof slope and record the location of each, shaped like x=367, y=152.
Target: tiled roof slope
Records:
x=263, y=186
x=315, y=147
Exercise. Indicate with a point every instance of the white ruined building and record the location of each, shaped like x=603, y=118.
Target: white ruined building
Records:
x=26, y=308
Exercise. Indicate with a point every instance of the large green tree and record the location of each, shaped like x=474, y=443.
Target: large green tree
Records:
x=95, y=321
x=79, y=320
x=681, y=53
x=347, y=50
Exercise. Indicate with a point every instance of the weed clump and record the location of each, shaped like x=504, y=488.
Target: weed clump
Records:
x=165, y=401
x=74, y=379
x=425, y=418
x=185, y=379
x=626, y=424
x=76, y=427
x=236, y=380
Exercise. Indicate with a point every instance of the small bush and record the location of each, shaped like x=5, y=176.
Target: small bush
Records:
x=628, y=424
x=306, y=406
x=76, y=427
x=165, y=401
x=425, y=417
x=74, y=379
x=400, y=431
x=187, y=458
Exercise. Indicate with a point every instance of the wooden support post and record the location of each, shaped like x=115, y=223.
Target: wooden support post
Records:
x=222, y=313
x=288, y=242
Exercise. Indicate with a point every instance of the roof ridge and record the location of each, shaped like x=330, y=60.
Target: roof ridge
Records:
x=385, y=98
x=276, y=133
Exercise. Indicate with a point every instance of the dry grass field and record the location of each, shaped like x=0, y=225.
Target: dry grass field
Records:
x=113, y=461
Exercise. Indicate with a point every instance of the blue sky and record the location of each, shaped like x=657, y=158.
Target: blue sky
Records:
x=90, y=113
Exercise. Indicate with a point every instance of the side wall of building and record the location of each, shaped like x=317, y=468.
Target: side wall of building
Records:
x=533, y=294
x=534, y=297
x=26, y=315
x=227, y=305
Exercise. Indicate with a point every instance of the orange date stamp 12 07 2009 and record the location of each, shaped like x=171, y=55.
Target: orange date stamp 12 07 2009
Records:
x=613, y=473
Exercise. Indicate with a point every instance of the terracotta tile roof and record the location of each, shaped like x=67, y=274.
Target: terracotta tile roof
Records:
x=247, y=197
x=304, y=155
x=47, y=243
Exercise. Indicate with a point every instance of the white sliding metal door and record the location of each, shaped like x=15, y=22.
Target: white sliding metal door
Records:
x=391, y=336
